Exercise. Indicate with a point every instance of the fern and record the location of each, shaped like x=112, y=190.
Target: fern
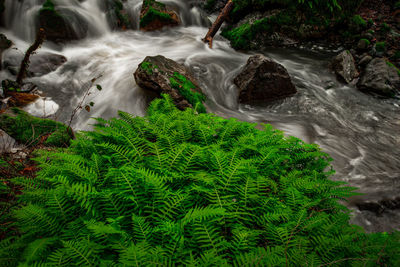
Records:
x=180, y=188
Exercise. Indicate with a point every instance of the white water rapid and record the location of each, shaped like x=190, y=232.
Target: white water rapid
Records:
x=359, y=131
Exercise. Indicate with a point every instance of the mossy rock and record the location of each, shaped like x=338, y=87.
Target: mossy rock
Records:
x=30, y=130
x=57, y=26
x=163, y=75
x=117, y=16
x=155, y=15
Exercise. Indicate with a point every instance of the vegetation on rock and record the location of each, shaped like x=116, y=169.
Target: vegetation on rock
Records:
x=187, y=89
x=176, y=188
x=30, y=130
x=154, y=15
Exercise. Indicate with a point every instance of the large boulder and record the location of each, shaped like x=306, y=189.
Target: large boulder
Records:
x=380, y=77
x=162, y=75
x=262, y=79
x=345, y=67
x=40, y=64
x=58, y=26
x=155, y=15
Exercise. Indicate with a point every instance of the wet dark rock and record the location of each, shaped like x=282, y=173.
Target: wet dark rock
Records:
x=155, y=73
x=381, y=78
x=365, y=60
x=371, y=206
x=4, y=45
x=116, y=13
x=344, y=66
x=58, y=25
x=381, y=206
x=262, y=79
x=40, y=64
x=156, y=15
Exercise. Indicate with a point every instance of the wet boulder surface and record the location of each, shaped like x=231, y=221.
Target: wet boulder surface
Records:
x=163, y=75
x=263, y=79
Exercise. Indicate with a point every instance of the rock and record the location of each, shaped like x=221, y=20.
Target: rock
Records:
x=116, y=13
x=380, y=78
x=379, y=207
x=155, y=15
x=262, y=79
x=7, y=143
x=344, y=66
x=58, y=24
x=365, y=60
x=363, y=44
x=4, y=44
x=40, y=64
x=162, y=75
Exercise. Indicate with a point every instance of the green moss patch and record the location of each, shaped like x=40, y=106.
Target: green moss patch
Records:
x=380, y=46
x=30, y=130
x=186, y=89
x=153, y=14
x=242, y=36
x=148, y=67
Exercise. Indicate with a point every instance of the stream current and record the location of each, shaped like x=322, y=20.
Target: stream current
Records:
x=359, y=131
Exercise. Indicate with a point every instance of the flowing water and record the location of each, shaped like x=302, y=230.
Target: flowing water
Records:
x=359, y=131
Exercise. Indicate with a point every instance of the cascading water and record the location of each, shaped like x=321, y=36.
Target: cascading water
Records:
x=360, y=132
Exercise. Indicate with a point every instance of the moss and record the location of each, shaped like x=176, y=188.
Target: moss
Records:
x=148, y=67
x=390, y=64
x=186, y=89
x=153, y=14
x=242, y=36
x=118, y=11
x=385, y=27
x=30, y=130
x=367, y=42
x=358, y=20
x=48, y=5
x=380, y=46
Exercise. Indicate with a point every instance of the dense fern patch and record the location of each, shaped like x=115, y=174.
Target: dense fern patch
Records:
x=177, y=188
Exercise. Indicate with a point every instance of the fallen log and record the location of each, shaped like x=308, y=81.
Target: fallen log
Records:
x=218, y=22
